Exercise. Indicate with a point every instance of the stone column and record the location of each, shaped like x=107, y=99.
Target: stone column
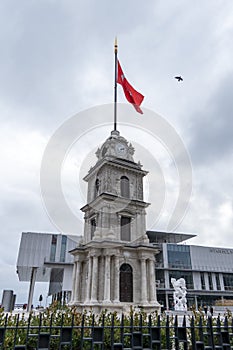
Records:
x=152, y=281
x=77, y=295
x=116, y=279
x=104, y=220
x=143, y=221
x=118, y=230
x=136, y=224
x=95, y=277
x=73, y=282
x=107, y=279
x=89, y=277
x=143, y=281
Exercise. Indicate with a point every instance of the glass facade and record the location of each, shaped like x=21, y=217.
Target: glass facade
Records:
x=63, y=249
x=159, y=260
x=179, y=256
x=210, y=281
x=53, y=248
x=204, y=274
x=187, y=275
x=218, y=281
x=228, y=281
x=203, y=281
x=56, y=280
x=160, y=278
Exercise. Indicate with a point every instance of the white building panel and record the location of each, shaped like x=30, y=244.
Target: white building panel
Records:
x=72, y=242
x=34, y=249
x=67, y=278
x=196, y=280
x=212, y=259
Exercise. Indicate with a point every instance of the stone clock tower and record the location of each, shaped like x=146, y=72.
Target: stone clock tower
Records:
x=114, y=266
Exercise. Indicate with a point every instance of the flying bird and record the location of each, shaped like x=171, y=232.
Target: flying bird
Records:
x=179, y=78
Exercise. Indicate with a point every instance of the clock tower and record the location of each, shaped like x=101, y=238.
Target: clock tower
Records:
x=114, y=266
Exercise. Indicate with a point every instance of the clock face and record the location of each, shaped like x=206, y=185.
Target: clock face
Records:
x=121, y=149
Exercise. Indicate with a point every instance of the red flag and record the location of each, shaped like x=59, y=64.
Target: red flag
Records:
x=131, y=94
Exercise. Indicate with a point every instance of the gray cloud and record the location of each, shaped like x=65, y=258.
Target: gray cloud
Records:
x=212, y=127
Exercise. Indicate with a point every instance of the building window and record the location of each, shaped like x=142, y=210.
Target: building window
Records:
x=125, y=228
x=93, y=227
x=53, y=248
x=179, y=256
x=203, y=281
x=187, y=275
x=228, y=281
x=218, y=281
x=56, y=281
x=63, y=249
x=160, y=279
x=210, y=281
x=124, y=186
x=159, y=260
x=126, y=283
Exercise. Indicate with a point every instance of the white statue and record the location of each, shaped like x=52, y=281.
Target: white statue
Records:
x=179, y=294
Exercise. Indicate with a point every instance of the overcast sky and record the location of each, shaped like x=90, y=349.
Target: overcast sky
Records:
x=57, y=60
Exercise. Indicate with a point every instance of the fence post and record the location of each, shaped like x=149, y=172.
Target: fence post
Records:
x=28, y=327
x=176, y=333
x=112, y=330
x=210, y=333
x=82, y=330
x=225, y=334
x=168, y=343
x=193, y=335
x=3, y=331
x=16, y=329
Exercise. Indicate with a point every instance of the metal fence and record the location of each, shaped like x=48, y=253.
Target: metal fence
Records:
x=113, y=333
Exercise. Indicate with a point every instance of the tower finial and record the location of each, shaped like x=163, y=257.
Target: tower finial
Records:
x=115, y=85
x=115, y=45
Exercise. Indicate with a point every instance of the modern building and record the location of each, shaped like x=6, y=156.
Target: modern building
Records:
x=44, y=257
x=208, y=272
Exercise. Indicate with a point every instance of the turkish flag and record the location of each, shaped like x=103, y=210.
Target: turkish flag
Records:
x=131, y=94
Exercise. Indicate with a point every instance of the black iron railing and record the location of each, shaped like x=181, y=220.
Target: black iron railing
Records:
x=111, y=332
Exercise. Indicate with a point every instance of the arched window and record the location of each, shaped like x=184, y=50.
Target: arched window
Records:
x=97, y=187
x=126, y=283
x=124, y=186
x=125, y=228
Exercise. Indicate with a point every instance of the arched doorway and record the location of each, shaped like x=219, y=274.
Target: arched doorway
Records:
x=126, y=283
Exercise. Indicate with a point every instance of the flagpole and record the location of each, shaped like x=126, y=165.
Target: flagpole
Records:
x=115, y=86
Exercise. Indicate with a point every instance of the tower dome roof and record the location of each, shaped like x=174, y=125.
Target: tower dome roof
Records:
x=116, y=146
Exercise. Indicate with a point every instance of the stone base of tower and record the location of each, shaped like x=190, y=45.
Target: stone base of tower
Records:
x=120, y=308
x=114, y=276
